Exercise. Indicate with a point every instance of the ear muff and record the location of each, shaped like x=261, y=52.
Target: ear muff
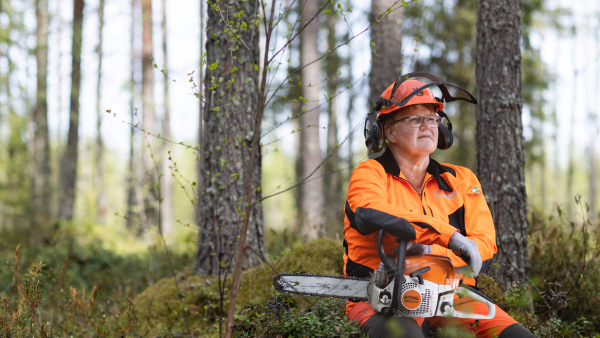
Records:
x=445, y=138
x=374, y=137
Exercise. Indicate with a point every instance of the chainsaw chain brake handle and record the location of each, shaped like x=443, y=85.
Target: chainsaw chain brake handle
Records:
x=399, y=278
x=468, y=291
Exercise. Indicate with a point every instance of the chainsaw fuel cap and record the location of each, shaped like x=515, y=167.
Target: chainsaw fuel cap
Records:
x=411, y=299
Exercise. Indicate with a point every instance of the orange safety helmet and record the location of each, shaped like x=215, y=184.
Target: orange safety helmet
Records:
x=424, y=96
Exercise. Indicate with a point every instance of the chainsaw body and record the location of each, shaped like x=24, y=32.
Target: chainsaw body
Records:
x=414, y=286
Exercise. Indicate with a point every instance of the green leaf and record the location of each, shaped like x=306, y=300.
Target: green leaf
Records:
x=213, y=66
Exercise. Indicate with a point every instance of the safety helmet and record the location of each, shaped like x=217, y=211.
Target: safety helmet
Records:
x=423, y=96
x=412, y=89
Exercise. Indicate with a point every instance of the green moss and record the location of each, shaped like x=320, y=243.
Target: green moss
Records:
x=159, y=308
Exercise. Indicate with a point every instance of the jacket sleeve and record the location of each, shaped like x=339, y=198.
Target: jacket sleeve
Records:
x=368, y=202
x=479, y=225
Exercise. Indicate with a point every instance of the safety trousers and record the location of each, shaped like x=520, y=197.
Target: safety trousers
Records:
x=376, y=325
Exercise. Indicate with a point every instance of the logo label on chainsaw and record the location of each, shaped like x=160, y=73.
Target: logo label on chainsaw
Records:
x=411, y=299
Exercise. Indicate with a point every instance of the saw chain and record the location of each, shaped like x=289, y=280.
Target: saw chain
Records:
x=278, y=281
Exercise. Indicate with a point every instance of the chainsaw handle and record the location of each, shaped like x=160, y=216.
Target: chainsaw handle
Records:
x=398, y=279
x=463, y=291
x=381, y=253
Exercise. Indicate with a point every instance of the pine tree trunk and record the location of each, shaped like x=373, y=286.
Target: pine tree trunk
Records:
x=332, y=183
x=200, y=158
x=131, y=174
x=148, y=175
x=499, y=131
x=99, y=177
x=69, y=162
x=228, y=132
x=312, y=192
x=386, y=48
x=167, y=179
x=41, y=176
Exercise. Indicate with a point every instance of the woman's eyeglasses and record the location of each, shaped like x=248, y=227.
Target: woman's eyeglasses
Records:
x=416, y=121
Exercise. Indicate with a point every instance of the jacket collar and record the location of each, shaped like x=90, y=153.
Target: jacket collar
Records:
x=388, y=162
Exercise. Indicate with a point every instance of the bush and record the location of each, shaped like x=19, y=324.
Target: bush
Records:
x=278, y=318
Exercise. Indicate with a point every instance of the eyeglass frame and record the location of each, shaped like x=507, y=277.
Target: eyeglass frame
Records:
x=439, y=120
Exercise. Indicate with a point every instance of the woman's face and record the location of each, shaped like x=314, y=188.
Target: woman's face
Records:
x=412, y=140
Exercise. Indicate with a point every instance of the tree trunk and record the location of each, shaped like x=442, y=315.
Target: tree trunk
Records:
x=332, y=183
x=200, y=158
x=147, y=175
x=167, y=180
x=130, y=176
x=41, y=176
x=499, y=131
x=228, y=132
x=99, y=177
x=312, y=192
x=386, y=48
x=571, y=168
x=69, y=162
x=593, y=138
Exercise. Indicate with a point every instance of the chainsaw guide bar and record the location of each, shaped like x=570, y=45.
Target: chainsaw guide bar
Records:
x=322, y=285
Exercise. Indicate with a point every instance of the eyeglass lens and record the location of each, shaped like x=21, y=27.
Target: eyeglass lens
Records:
x=417, y=121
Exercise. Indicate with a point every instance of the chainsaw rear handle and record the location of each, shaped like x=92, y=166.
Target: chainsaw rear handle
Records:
x=399, y=277
x=462, y=291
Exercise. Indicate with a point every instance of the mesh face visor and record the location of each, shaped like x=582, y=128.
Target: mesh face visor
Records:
x=442, y=90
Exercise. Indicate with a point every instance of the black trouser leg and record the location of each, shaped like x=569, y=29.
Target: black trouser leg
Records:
x=516, y=331
x=380, y=326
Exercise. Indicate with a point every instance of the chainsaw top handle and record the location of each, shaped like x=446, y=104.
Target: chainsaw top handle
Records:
x=399, y=277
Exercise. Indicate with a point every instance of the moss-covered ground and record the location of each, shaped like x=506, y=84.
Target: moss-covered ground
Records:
x=159, y=308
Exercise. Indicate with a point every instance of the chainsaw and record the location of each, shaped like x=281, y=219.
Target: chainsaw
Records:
x=413, y=286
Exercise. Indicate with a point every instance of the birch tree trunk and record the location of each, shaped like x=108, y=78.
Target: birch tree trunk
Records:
x=167, y=180
x=147, y=175
x=41, y=176
x=69, y=162
x=499, y=131
x=386, y=48
x=312, y=192
x=99, y=177
x=228, y=132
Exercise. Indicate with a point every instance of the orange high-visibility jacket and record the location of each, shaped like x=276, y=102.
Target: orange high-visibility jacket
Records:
x=379, y=195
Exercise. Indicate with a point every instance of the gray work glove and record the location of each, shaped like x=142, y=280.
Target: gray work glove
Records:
x=468, y=251
x=415, y=249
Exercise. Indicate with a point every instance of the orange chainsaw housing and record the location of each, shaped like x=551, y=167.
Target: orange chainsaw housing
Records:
x=441, y=269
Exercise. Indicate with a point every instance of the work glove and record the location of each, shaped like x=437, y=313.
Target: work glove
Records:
x=468, y=251
x=415, y=249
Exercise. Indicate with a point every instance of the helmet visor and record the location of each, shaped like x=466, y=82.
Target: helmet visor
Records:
x=442, y=90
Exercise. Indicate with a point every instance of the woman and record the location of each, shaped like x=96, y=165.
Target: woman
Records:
x=443, y=204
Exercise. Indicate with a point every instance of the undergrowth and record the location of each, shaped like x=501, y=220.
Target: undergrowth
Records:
x=278, y=318
x=55, y=285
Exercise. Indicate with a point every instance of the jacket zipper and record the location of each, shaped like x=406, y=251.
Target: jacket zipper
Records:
x=420, y=196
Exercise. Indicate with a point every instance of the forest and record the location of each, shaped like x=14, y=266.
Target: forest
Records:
x=162, y=161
